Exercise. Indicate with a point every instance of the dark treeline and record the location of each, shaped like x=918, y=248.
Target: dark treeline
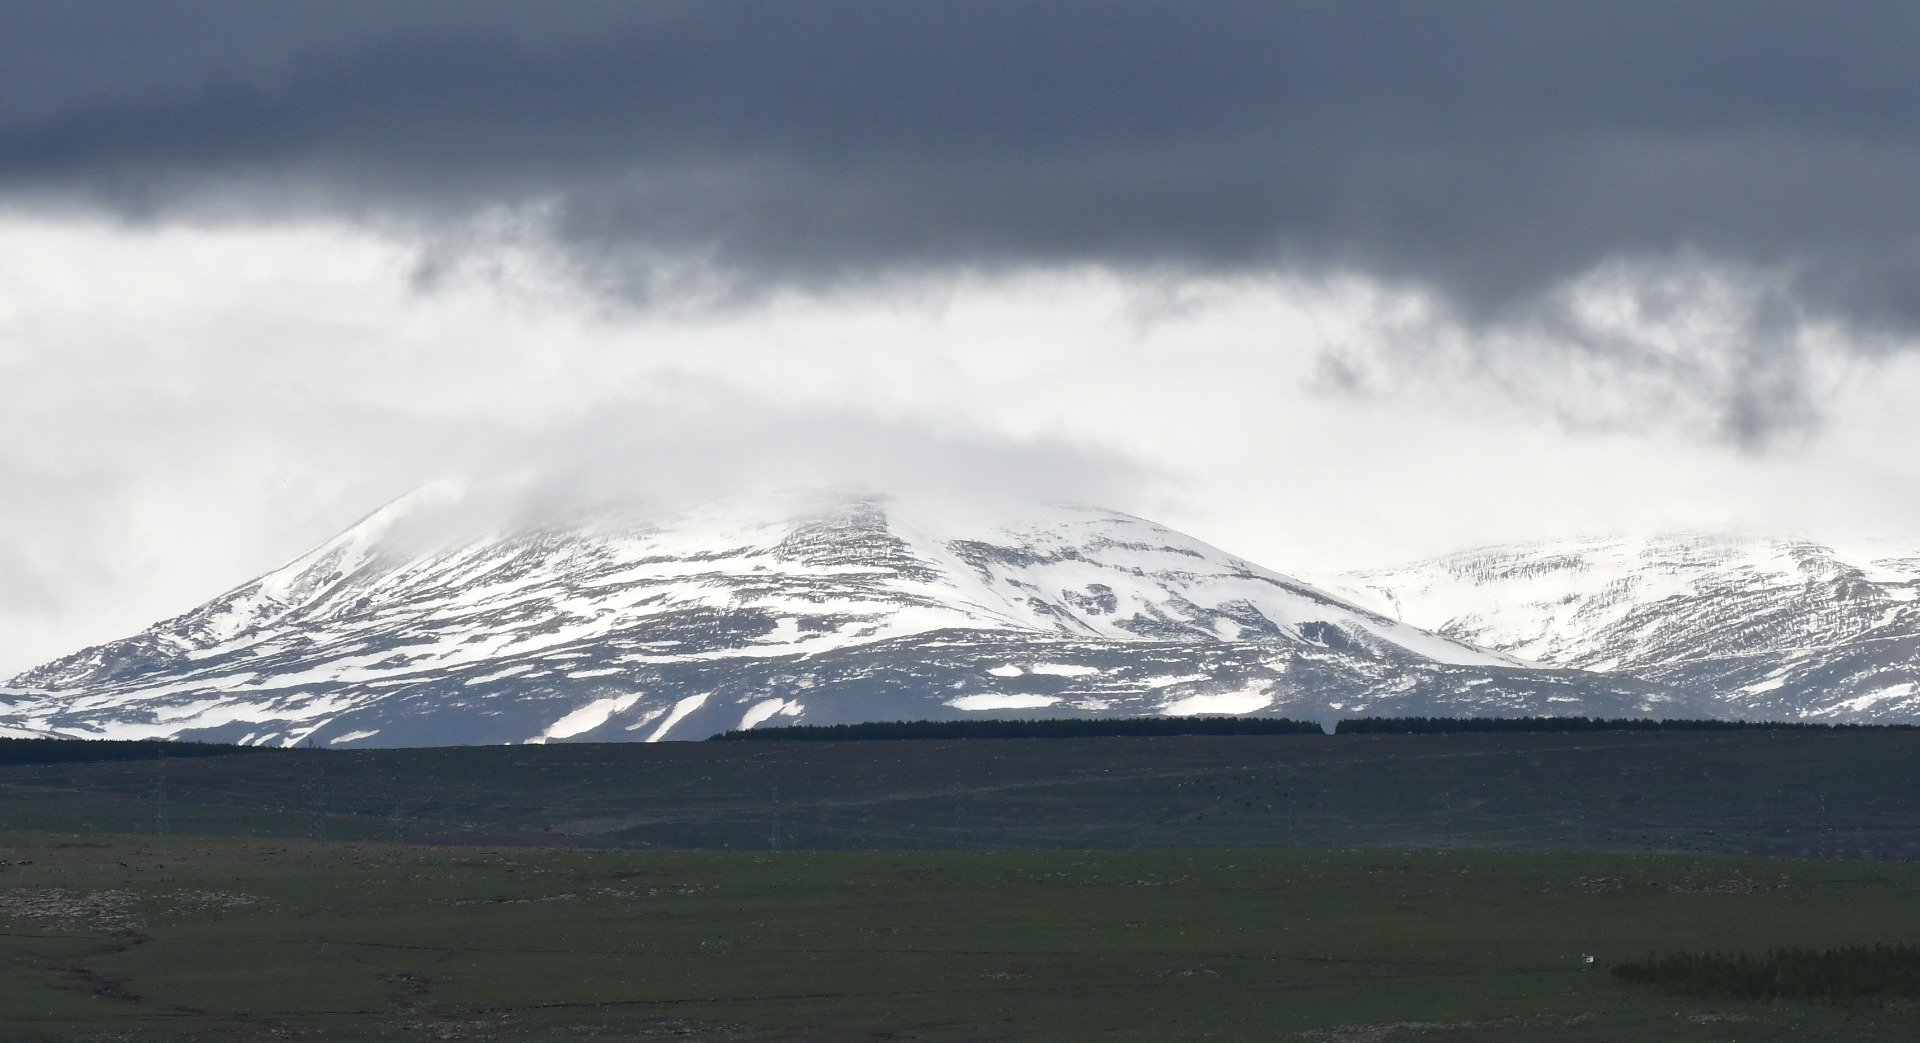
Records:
x=65, y=751
x=1049, y=728
x=1435, y=725
x=1859, y=972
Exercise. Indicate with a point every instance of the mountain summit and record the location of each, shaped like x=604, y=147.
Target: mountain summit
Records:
x=641, y=621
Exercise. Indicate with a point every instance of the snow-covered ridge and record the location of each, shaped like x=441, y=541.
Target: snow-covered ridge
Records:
x=1770, y=626
x=504, y=626
x=841, y=573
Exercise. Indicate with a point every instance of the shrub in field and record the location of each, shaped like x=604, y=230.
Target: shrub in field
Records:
x=1851, y=974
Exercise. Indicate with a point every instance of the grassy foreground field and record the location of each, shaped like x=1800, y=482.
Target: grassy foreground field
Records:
x=1339, y=889
x=188, y=938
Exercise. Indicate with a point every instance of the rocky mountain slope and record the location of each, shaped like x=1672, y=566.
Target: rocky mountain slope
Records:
x=1770, y=627
x=422, y=625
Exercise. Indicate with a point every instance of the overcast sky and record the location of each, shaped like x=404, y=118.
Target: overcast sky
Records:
x=1325, y=284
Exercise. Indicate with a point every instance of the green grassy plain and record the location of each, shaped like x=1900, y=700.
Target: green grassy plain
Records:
x=200, y=939
x=1340, y=890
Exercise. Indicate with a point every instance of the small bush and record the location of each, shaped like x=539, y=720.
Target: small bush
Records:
x=1852, y=974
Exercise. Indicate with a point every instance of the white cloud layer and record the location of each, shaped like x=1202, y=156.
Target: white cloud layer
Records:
x=185, y=407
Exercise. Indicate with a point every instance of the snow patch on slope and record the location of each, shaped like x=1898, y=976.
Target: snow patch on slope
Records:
x=1002, y=702
x=589, y=717
x=680, y=710
x=761, y=711
x=1218, y=703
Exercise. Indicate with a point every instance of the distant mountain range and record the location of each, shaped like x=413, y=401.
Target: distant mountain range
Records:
x=432, y=622
x=1762, y=627
x=435, y=621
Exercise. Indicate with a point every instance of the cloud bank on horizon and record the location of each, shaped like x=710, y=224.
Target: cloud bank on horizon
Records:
x=1227, y=252
x=1500, y=156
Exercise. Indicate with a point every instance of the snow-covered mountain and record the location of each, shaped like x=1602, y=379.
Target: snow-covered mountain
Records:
x=646, y=621
x=1769, y=627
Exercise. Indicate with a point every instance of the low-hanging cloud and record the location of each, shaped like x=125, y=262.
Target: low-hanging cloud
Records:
x=1670, y=345
x=694, y=440
x=1493, y=154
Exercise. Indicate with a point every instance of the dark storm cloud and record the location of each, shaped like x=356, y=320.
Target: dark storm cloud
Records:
x=1488, y=150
